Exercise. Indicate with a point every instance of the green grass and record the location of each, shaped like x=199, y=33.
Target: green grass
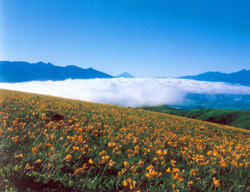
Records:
x=236, y=118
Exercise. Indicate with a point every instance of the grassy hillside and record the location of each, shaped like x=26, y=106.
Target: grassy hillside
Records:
x=236, y=118
x=59, y=144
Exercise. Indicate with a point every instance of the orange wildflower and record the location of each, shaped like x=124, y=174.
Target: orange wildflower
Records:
x=216, y=182
x=124, y=183
x=126, y=164
x=68, y=157
x=19, y=156
x=38, y=161
x=111, y=163
x=91, y=161
x=168, y=170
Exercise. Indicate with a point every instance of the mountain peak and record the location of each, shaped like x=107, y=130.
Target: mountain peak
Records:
x=125, y=75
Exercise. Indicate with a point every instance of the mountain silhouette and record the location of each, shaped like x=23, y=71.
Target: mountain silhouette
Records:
x=23, y=72
x=241, y=77
x=125, y=75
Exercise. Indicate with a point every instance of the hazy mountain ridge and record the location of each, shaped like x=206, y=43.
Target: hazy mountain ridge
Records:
x=23, y=72
x=241, y=77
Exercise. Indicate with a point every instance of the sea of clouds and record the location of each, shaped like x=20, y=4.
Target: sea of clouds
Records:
x=127, y=92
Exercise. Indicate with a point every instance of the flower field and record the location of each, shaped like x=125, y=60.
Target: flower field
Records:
x=54, y=144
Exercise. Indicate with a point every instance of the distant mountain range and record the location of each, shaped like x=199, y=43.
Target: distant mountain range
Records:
x=125, y=75
x=23, y=71
x=19, y=71
x=241, y=77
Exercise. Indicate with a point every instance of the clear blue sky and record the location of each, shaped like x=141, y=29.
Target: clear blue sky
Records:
x=148, y=38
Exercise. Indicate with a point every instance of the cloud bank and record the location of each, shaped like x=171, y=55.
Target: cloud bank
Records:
x=127, y=92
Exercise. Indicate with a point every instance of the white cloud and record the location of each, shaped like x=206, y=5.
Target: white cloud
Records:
x=127, y=92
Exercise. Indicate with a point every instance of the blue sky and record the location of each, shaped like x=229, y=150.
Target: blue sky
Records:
x=147, y=38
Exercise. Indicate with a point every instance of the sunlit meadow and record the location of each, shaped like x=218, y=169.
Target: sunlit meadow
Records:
x=56, y=144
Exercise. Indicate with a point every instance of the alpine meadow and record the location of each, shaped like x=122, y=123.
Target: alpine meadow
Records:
x=57, y=144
